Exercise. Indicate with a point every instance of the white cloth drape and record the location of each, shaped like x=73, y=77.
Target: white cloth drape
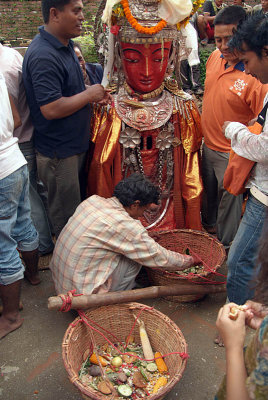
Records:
x=172, y=11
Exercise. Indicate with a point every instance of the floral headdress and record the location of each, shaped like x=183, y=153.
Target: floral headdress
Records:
x=141, y=21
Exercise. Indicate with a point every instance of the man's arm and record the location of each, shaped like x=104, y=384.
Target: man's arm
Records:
x=247, y=144
x=210, y=19
x=144, y=250
x=48, y=79
x=16, y=117
x=65, y=106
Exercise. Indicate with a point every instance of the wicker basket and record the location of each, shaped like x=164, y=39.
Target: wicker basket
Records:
x=210, y=250
x=164, y=335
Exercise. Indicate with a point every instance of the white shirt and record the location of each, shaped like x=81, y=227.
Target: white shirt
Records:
x=253, y=147
x=11, y=67
x=11, y=158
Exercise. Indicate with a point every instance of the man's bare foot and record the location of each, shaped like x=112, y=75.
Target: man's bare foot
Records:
x=218, y=340
x=9, y=325
x=20, y=307
x=32, y=278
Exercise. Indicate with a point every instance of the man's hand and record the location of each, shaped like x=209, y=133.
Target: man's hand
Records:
x=96, y=93
x=190, y=262
x=196, y=260
x=107, y=98
x=65, y=106
x=224, y=126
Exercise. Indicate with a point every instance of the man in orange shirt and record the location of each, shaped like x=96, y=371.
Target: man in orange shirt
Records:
x=230, y=95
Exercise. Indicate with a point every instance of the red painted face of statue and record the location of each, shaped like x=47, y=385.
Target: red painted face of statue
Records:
x=145, y=65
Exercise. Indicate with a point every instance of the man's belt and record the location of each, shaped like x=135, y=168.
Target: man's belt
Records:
x=263, y=198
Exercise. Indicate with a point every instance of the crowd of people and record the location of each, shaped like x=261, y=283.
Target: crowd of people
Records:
x=129, y=138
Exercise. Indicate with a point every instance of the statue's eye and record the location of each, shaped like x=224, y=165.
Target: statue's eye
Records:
x=131, y=60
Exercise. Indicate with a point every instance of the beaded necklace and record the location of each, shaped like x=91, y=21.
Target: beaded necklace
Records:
x=144, y=96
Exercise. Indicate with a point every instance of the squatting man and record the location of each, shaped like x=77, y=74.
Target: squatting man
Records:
x=104, y=245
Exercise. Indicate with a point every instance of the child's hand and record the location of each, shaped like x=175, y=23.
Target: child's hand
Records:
x=232, y=331
x=255, y=313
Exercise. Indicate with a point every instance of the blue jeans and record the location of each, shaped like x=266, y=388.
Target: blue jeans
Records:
x=16, y=228
x=243, y=252
x=38, y=210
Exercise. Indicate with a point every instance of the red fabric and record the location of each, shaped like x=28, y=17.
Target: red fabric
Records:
x=210, y=31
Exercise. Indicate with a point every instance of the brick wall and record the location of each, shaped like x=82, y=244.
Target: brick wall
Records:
x=20, y=19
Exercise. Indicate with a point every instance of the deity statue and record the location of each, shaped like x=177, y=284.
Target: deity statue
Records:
x=152, y=127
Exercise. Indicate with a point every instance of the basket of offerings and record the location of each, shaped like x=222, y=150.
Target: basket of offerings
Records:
x=187, y=241
x=124, y=351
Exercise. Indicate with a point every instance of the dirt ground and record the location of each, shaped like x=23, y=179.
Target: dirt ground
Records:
x=32, y=367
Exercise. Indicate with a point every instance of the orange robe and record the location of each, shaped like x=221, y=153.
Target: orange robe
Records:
x=105, y=171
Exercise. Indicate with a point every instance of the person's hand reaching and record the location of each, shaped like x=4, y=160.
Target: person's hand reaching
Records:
x=255, y=312
x=232, y=331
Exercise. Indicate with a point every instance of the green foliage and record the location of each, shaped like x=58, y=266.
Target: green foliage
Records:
x=204, y=54
x=87, y=44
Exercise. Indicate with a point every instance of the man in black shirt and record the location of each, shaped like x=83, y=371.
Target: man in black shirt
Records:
x=59, y=106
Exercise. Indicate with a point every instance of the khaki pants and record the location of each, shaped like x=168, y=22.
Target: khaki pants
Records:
x=61, y=177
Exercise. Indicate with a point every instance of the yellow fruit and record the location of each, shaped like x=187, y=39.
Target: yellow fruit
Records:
x=117, y=361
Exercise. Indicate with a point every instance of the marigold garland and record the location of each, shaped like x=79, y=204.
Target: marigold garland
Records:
x=138, y=27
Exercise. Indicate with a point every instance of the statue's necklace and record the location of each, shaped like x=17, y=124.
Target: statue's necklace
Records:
x=144, y=114
x=144, y=96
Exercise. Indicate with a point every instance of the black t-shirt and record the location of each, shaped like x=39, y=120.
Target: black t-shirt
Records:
x=51, y=71
x=208, y=7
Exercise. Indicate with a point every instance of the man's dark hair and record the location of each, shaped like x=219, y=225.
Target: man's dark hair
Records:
x=253, y=33
x=231, y=15
x=48, y=4
x=136, y=187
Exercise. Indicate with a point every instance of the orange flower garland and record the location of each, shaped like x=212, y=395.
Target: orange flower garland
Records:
x=138, y=27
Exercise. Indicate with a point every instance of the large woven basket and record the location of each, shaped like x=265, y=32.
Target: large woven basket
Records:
x=208, y=248
x=164, y=335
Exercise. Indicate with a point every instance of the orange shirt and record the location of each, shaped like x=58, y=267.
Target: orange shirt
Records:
x=230, y=95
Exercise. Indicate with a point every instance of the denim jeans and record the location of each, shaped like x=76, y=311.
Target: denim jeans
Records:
x=38, y=210
x=16, y=228
x=243, y=252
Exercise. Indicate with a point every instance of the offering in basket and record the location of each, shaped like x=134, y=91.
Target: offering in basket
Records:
x=124, y=351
